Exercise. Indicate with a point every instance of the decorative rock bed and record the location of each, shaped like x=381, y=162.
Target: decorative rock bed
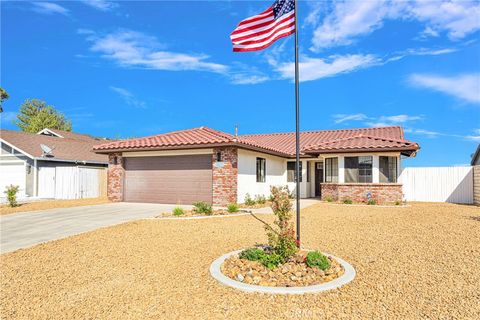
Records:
x=291, y=277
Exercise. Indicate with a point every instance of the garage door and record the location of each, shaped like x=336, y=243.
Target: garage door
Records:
x=170, y=179
x=13, y=173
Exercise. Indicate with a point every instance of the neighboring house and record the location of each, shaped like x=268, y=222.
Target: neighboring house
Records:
x=476, y=157
x=51, y=164
x=203, y=164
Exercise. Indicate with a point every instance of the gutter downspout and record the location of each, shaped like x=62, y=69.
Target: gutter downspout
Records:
x=35, y=178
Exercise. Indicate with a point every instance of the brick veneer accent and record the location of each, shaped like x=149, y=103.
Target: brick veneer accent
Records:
x=357, y=192
x=225, y=176
x=115, y=176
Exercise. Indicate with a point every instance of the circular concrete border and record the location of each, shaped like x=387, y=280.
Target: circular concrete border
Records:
x=216, y=273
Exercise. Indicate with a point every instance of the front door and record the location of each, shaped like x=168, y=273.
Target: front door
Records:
x=318, y=178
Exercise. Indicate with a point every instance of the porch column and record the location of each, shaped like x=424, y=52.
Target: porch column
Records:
x=341, y=169
x=376, y=169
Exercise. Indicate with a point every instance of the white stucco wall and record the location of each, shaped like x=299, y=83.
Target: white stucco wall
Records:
x=276, y=175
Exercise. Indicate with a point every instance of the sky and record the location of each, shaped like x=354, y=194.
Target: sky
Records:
x=135, y=68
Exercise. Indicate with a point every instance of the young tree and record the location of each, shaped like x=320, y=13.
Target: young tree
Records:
x=3, y=96
x=35, y=115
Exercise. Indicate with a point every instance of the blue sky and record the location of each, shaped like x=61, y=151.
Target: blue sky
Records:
x=125, y=69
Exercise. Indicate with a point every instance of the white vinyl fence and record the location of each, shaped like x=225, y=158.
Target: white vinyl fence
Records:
x=75, y=183
x=438, y=184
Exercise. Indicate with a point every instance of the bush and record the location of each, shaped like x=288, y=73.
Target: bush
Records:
x=318, y=260
x=177, y=211
x=203, y=207
x=371, y=202
x=232, y=207
x=348, y=201
x=11, y=192
x=248, y=200
x=252, y=254
x=281, y=236
x=328, y=199
x=272, y=260
x=260, y=199
x=398, y=202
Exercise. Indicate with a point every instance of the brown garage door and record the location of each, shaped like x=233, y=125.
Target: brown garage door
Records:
x=171, y=179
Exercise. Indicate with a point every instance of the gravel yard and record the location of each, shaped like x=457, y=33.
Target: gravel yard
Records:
x=415, y=262
x=50, y=204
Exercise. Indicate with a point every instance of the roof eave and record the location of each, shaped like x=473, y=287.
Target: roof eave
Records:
x=408, y=151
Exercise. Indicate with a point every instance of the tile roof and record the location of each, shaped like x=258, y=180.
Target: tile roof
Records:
x=72, y=146
x=190, y=137
x=380, y=139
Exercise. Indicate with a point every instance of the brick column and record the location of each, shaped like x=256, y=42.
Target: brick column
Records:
x=225, y=174
x=115, y=177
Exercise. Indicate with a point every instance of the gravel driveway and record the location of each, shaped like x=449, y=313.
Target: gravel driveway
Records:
x=412, y=263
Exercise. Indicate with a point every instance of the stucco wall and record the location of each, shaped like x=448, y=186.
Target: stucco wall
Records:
x=276, y=175
x=476, y=185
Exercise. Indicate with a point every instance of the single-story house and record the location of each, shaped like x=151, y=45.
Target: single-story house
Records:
x=203, y=164
x=51, y=164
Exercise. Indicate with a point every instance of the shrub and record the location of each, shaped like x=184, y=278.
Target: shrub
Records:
x=348, y=201
x=177, y=211
x=318, y=260
x=328, y=198
x=252, y=254
x=398, y=202
x=281, y=236
x=260, y=199
x=248, y=200
x=272, y=260
x=232, y=207
x=371, y=202
x=11, y=192
x=203, y=207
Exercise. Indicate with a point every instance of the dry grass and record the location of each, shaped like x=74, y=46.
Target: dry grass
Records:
x=415, y=262
x=51, y=204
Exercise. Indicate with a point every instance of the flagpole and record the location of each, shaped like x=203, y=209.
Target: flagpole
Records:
x=297, y=126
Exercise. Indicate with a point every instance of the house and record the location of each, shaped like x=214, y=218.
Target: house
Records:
x=51, y=164
x=203, y=164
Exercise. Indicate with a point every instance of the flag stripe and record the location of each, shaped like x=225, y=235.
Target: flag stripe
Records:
x=250, y=48
x=265, y=33
x=259, y=29
x=282, y=29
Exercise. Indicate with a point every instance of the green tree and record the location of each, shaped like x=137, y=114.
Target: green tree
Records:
x=35, y=115
x=3, y=96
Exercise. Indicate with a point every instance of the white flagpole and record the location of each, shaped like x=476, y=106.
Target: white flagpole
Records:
x=297, y=126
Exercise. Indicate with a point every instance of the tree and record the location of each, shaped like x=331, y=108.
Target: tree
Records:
x=3, y=96
x=35, y=115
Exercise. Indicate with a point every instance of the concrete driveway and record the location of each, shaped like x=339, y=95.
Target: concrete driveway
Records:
x=22, y=230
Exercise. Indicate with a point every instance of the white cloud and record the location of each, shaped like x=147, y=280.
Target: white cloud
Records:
x=351, y=19
x=340, y=118
x=465, y=87
x=129, y=98
x=135, y=49
x=242, y=78
x=49, y=8
x=100, y=4
x=317, y=68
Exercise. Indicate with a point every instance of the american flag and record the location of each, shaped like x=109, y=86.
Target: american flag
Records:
x=260, y=31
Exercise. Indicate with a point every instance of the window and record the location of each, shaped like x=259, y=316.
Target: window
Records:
x=358, y=169
x=261, y=165
x=388, y=169
x=331, y=170
x=291, y=171
x=219, y=157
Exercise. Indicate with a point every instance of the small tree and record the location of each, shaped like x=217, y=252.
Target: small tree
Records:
x=3, y=96
x=11, y=192
x=36, y=115
x=281, y=236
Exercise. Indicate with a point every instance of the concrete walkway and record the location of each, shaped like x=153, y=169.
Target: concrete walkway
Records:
x=22, y=230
